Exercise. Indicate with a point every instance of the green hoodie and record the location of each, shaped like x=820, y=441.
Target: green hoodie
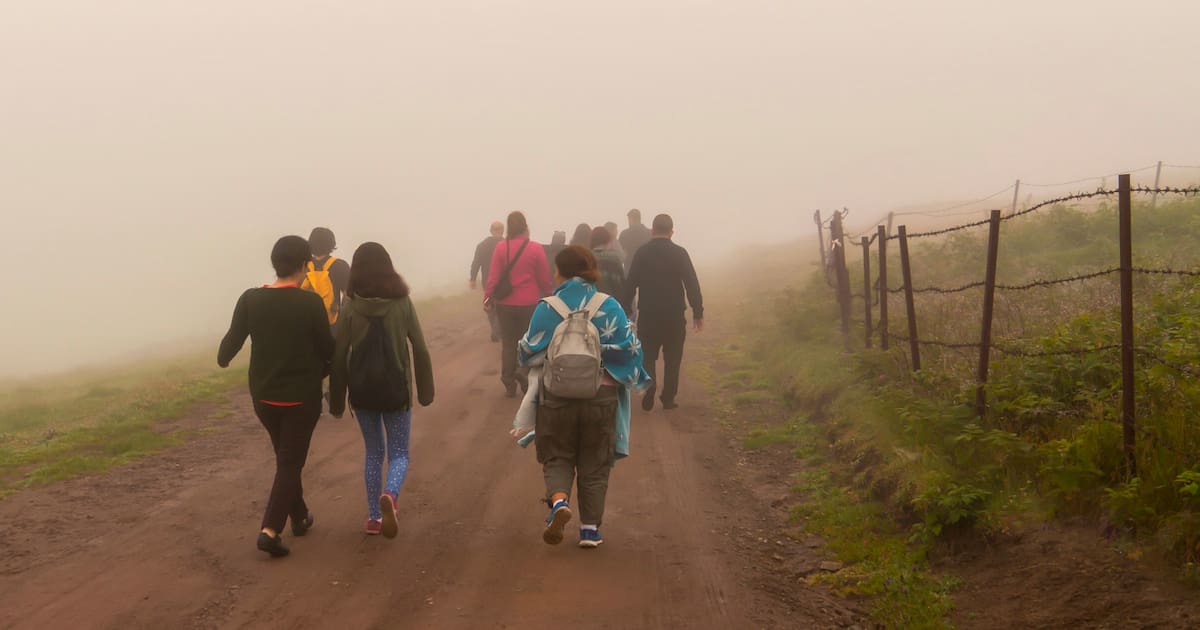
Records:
x=400, y=320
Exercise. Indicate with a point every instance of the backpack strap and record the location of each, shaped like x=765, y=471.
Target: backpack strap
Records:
x=328, y=263
x=595, y=304
x=558, y=305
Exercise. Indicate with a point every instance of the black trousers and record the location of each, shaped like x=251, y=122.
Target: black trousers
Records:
x=666, y=337
x=514, y=323
x=291, y=430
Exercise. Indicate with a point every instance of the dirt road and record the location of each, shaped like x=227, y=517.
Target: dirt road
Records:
x=168, y=542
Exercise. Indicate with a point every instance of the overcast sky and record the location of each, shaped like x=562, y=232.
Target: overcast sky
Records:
x=152, y=150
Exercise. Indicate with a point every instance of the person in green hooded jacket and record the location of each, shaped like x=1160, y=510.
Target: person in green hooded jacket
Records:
x=378, y=295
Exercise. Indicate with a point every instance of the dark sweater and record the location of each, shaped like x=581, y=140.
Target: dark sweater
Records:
x=291, y=345
x=660, y=274
x=482, y=262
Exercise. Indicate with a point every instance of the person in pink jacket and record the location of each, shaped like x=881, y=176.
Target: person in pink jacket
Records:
x=518, y=279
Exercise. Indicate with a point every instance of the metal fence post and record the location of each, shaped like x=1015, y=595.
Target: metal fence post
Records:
x=882, y=235
x=866, y=249
x=1128, y=423
x=989, y=302
x=906, y=273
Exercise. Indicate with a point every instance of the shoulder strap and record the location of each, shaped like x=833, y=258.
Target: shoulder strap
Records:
x=328, y=263
x=595, y=304
x=513, y=261
x=558, y=305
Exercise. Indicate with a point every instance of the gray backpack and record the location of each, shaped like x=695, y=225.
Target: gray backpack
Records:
x=573, y=368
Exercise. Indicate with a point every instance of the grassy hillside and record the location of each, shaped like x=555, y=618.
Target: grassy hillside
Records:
x=1050, y=443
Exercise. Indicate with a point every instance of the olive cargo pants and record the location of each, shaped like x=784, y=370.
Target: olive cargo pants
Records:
x=578, y=438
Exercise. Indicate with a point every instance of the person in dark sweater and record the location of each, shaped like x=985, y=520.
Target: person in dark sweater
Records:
x=290, y=353
x=633, y=237
x=660, y=275
x=482, y=262
x=612, y=270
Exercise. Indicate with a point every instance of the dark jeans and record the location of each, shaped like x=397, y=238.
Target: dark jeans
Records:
x=578, y=436
x=667, y=337
x=494, y=324
x=291, y=430
x=514, y=322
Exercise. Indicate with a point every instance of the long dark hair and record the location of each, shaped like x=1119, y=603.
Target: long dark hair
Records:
x=517, y=225
x=583, y=235
x=372, y=274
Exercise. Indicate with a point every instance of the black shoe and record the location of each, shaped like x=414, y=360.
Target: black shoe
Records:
x=648, y=400
x=301, y=527
x=670, y=404
x=273, y=546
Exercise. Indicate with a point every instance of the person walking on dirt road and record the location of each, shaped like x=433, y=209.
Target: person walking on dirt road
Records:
x=578, y=439
x=290, y=350
x=608, y=262
x=327, y=276
x=518, y=278
x=371, y=359
x=660, y=275
x=633, y=237
x=481, y=265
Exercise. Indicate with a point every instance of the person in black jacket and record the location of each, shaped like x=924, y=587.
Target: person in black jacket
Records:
x=290, y=353
x=482, y=263
x=660, y=275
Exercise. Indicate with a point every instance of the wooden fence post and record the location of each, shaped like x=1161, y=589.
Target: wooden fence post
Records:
x=1016, y=191
x=866, y=247
x=1157, y=178
x=906, y=274
x=838, y=242
x=989, y=302
x=821, y=244
x=1128, y=421
x=882, y=235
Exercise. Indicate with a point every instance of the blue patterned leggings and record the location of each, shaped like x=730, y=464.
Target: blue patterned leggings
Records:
x=373, y=425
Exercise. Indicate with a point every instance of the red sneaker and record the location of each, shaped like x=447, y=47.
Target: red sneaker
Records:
x=373, y=527
x=391, y=520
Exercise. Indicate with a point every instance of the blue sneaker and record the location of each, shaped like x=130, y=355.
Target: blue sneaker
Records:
x=590, y=538
x=560, y=515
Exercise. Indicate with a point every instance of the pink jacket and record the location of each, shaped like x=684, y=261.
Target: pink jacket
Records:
x=530, y=275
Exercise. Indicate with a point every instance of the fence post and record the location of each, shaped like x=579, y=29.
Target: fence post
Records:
x=882, y=235
x=1157, y=177
x=866, y=247
x=838, y=242
x=1016, y=192
x=989, y=302
x=891, y=216
x=821, y=244
x=906, y=273
x=1127, y=403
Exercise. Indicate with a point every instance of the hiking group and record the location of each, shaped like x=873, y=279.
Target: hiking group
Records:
x=580, y=328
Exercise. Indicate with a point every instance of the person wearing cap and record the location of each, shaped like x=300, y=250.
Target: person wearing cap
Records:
x=483, y=263
x=633, y=237
x=327, y=273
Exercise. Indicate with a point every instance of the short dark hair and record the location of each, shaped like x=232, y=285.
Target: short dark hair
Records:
x=322, y=241
x=289, y=256
x=600, y=237
x=577, y=262
x=372, y=274
x=635, y=214
x=517, y=225
x=663, y=224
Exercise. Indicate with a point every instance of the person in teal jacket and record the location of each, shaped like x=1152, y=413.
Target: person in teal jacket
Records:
x=581, y=439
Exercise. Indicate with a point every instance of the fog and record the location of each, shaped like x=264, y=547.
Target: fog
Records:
x=152, y=151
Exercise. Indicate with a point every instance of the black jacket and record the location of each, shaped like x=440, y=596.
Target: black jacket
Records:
x=660, y=275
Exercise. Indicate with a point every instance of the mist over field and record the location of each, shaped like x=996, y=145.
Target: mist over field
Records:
x=151, y=152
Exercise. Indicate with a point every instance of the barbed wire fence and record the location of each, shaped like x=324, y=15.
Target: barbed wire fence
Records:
x=875, y=294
